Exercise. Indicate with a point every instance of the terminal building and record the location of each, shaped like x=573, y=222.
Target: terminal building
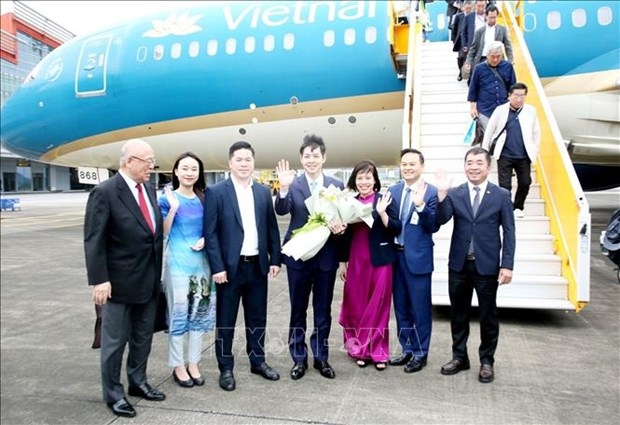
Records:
x=26, y=38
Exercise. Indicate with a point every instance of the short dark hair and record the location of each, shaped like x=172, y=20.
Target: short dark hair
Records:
x=477, y=150
x=364, y=166
x=517, y=86
x=491, y=8
x=312, y=141
x=200, y=185
x=239, y=145
x=412, y=150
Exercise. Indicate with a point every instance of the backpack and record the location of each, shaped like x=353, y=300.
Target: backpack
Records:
x=610, y=238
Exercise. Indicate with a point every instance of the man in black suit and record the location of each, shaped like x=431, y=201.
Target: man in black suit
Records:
x=479, y=209
x=123, y=246
x=243, y=247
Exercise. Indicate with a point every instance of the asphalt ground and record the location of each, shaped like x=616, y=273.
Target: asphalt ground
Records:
x=552, y=367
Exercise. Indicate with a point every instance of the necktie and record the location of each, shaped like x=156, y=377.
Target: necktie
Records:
x=312, y=187
x=404, y=213
x=474, y=207
x=476, y=203
x=144, y=209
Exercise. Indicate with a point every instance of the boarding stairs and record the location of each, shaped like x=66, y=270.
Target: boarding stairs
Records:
x=537, y=280
x=552, y=261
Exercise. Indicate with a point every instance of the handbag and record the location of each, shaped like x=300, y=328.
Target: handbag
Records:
x=494, y=141
x=470, y=134
x=161, y=315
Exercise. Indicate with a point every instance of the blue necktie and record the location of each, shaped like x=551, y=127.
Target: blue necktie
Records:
x=404, y=213
x=312, y=187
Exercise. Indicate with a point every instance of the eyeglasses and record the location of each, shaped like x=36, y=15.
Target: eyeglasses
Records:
x=519, y=96
x=151, y=161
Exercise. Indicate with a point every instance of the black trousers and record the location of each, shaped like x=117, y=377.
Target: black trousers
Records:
x=250, y=287
x=522, y=168
x=461, y=286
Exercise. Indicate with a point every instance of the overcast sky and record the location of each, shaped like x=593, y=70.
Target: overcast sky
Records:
x=83, y=17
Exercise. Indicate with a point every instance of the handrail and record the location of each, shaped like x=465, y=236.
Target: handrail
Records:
x=413, y=102
x=565, y=202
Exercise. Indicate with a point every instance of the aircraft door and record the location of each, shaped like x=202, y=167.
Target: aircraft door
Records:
x=91, y=70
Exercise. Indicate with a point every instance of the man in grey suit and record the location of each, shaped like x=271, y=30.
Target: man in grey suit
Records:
x=483, y=37
x=479, y=208
x=243, y=246
x=123, y=244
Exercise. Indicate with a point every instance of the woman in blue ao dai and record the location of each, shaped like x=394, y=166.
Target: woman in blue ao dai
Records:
x=190, y=291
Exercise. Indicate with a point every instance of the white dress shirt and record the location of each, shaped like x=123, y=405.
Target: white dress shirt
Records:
x=245, y=199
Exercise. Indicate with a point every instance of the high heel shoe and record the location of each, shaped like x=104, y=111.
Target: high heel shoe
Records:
x=381, y=366
x=362, y=363
x=197, y=381
x=188, y=383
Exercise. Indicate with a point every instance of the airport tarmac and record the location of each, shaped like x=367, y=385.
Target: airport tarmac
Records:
x=552, y=367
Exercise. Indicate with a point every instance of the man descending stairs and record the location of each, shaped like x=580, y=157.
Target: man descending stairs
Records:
x=537, y=280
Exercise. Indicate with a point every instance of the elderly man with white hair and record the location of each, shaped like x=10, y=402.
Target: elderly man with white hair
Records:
x=490, y=83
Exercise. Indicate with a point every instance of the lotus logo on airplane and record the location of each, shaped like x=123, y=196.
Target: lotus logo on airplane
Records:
x=182, y=24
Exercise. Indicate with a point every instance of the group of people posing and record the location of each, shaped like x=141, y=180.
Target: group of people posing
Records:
x=219, y=245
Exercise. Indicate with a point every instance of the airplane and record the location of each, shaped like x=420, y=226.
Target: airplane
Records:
x=203, y=77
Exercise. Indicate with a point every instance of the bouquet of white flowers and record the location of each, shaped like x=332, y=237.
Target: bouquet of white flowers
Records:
x=325, y=206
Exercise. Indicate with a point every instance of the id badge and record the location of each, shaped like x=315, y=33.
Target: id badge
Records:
x=414, y=218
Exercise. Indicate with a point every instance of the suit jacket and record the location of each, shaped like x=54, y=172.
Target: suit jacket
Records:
x=530, y=130
x=456, y=33
x=381, y=238
x=495, y=210
x=118, y=243
x=224, y=229
x=419, y=237
x=475, y=48
x=469, y=28
x=293, y=203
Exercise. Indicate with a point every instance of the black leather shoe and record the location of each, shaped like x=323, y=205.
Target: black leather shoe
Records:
x=266, y=372
x=227, y=381
x=416, y=364
x=147, y=392
x=454, y=366
x=400, y=360
x=486, y=374
x=122, y=408
x=188, y=383
x=299, y=370
x=200, y=381
x=324, y=369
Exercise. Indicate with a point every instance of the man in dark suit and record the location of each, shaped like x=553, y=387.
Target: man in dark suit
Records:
x=416, y=201
x=473, y=22
x=123, y=245
x=483, y=37
x=316, y=275
x=479, y=209
x=458, y=26
x=243, y=247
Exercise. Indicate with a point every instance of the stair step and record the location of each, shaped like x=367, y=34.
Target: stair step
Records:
x=444, y=128
x=453, y=97
x=525, y=264
x=531, y=284
x=515, y=302
x=528, y=225
x=445, y=108
x=458, y=116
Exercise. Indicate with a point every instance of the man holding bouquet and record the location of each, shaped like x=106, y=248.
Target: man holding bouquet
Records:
x=316, y=275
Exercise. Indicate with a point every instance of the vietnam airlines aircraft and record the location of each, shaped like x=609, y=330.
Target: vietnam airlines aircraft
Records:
x=270, y=72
